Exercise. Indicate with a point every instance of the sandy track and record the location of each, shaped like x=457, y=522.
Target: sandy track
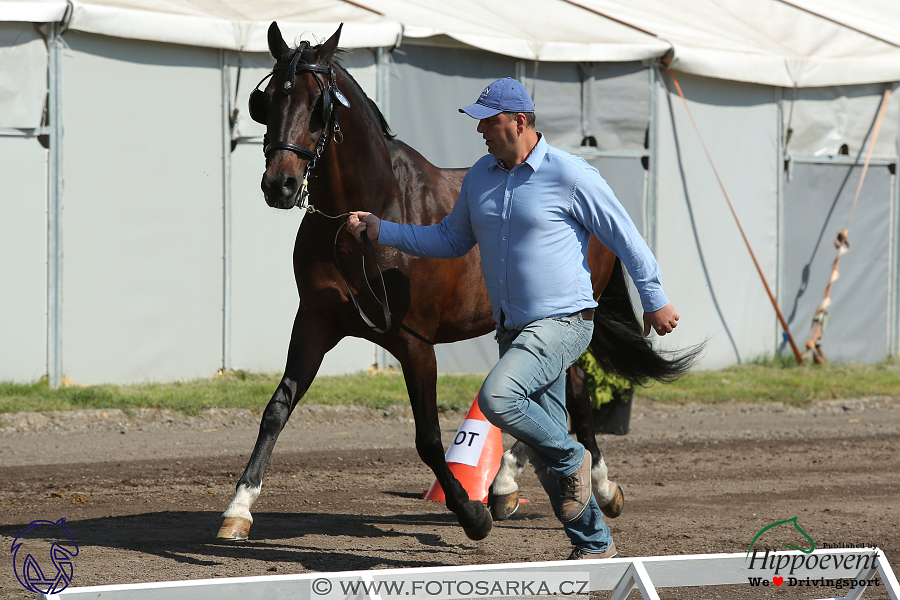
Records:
x=143, y=495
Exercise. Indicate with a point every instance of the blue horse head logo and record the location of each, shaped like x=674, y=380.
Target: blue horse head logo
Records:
x=41, y=577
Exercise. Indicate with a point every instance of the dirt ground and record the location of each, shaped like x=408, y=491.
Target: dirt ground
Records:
x=143, y=493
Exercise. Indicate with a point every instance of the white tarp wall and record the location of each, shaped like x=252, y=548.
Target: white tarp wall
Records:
x=174, y=267
x=142, y=226
x=23, y=204
x=143, y=233
x=831, y=132
x=707, y=271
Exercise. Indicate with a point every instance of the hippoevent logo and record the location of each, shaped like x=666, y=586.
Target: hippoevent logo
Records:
x=808, y=561
x=43, y=560
x=812, y=544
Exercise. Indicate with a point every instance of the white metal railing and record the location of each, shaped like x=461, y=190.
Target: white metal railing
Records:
x=842, y=574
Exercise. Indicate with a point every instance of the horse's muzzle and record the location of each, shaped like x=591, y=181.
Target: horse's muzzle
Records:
x=280, y=191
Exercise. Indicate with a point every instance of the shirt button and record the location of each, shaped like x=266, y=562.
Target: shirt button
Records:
x=501, y=281
x=502, y=260
x=504, y=238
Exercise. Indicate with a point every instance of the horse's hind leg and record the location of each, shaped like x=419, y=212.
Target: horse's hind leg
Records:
x=420, y=371
x=609, y=495
x=503, y=496
x=310, y=339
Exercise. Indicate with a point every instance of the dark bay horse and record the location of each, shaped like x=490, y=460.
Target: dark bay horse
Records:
x=323, y=131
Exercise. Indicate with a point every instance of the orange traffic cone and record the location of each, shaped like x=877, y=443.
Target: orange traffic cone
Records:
x=473, y=457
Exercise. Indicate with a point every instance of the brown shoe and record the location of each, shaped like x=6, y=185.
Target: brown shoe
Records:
x=579, y=554
x=575, y=491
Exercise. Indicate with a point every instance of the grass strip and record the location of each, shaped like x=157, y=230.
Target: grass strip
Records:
x=762, y=381
x=237, y=390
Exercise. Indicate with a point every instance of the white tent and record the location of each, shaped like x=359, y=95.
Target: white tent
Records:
x=877, y=18
x=764, y=41
x=133, y=224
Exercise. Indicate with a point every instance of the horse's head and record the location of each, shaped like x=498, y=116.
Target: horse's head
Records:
x=297, y=107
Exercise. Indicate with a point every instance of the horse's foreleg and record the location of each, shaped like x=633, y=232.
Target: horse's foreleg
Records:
x=309, y=342
x=420, y=373
x=609, y=495
x=503, y=496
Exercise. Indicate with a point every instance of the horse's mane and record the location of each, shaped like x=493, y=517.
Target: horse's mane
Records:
x=336, y=63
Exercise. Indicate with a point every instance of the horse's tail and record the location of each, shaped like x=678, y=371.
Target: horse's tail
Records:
x=619, y=345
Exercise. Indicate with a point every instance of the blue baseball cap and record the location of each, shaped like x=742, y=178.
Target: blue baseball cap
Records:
x=504, y=95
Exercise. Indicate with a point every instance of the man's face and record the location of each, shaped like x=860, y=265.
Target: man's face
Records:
x=500, y=135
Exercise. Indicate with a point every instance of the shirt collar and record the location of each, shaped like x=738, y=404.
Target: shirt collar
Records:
x=534, y=159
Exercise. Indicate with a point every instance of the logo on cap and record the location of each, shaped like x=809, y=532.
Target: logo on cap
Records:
x=486, y=91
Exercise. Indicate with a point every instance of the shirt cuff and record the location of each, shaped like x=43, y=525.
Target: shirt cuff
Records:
x=389, y=233
x=654, y=301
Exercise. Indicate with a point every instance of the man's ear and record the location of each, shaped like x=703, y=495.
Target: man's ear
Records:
x=521, y=123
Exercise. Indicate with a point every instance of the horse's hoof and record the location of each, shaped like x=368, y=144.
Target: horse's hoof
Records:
x=615, y=506
x=503, y=506
x=234, y=529
x=482, y=527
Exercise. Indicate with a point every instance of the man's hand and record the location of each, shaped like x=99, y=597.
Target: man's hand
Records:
x=663, y=320
x=360, y=221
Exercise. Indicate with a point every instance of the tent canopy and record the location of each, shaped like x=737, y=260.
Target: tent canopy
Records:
x=878, y=18
x=789, y=43
x=769, y=42
x=548, y=30
x=228, y=24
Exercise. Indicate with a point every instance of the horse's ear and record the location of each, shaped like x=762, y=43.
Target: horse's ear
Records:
x=277, y=47
x=326, y=51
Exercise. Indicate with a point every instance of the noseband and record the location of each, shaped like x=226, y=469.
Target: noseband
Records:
x=259, y=112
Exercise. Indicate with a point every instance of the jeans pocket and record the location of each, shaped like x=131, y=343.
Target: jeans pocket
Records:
x=583, y=331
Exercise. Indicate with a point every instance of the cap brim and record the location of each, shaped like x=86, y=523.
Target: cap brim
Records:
x=480, y=111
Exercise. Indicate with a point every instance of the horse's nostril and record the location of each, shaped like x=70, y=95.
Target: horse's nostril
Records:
x=289, y=186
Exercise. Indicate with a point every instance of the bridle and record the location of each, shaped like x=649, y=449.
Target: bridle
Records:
x=259, y=113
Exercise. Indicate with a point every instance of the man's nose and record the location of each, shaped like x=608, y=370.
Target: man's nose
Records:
x=480, y=128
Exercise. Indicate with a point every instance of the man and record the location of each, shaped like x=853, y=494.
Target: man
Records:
x=531, y=209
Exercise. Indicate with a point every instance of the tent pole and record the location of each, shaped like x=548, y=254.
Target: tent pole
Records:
x=383, y=82
x=226, y=215
x=653, y=143
x=779, y=208
x=383, y=101
x=894, y=259
x=54, y=212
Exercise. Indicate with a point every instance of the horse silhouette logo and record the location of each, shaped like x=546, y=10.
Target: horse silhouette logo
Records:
x=53, y=545
x=792, y=521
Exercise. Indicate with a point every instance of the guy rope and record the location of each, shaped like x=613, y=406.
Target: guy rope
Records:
x=784, y=324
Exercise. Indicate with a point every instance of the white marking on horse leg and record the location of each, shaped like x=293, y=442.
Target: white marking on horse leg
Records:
x=243, y=500
x=604, y=489
x=505, y=479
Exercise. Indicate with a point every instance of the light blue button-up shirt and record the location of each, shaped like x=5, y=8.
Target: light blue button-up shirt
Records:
x=532, y=225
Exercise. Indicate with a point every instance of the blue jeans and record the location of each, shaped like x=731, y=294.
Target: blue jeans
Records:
x=525, y=396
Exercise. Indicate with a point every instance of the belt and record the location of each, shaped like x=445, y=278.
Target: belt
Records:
x=586, y=314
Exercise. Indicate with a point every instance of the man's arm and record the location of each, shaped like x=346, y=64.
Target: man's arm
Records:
x=606, y=218
x=451, y=238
